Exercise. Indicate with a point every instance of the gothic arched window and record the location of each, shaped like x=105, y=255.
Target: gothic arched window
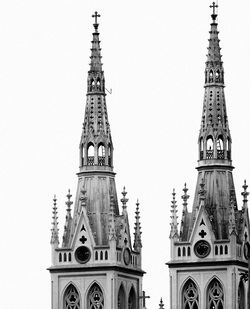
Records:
x=190, y=296
x=91, y=154
x=95, y=298
x=132, y=299
x=241, y=296
x=101, y=154
x=210, y=147
x=215, y=295
x=71, y=298
x=121, y=298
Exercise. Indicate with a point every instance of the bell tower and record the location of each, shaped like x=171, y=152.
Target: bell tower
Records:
x=208, y=254
x=96, y=265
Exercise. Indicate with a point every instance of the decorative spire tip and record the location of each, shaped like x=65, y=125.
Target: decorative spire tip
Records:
x=215, y=14
x=95, y=16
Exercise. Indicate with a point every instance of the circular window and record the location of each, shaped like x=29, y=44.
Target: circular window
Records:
x=202, y=248
x=126, y=256
x=82, y=254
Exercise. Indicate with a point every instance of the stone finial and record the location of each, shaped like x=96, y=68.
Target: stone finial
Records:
x=68, y=221
x=69, y=203
x=245, y=194
x=161, y=305
x=174, y=217
x=185, y=198
x=55, y=229
x=124, y=200
x=137, y=233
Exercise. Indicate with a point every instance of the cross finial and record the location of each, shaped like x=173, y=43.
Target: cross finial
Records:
x=144, y=297
x=214, y=7
x=95, y=16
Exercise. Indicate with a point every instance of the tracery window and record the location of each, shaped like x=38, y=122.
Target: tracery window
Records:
x=71, y=298
x=190, y=296
x=95, y=298
x=215, y=295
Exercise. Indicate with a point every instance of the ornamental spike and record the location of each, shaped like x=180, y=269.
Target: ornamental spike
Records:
x=185, y=198
x=245, y=194
x=174, y=217
x=68, y=221
x=137, y=233
x=55, y=229
x=124, y=200
x=161, y=305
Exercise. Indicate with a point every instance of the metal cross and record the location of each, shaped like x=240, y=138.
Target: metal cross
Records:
x=96, y=15
x=143, y=297
x=214, y=6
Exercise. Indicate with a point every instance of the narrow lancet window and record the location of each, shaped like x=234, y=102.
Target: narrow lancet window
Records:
x=121, y=298
x=132, y=299
x=241, y=296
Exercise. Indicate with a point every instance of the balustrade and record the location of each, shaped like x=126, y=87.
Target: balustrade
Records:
x=209, y=154
x=220, y=154
x=91, y=160
x=101, y=160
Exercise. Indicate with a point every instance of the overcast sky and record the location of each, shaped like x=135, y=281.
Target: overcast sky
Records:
x=154, y=56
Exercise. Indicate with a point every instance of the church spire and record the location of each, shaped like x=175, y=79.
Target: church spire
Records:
x=96, y=148
x=214, y=139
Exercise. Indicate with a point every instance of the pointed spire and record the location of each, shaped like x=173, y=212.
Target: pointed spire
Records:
x=137, y=233
x=161, y=305
x=174, y=217
x=95, y=64
x=55, y=229
x=124, y=200
x=245, y=194
x=215, y=139
x=214, y=55
x=112, y=233
x=96, y=147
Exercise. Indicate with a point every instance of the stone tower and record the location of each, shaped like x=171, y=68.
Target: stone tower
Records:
x=208, y=252
x=97, y=265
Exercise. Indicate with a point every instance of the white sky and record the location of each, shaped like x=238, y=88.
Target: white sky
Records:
x=154, y=60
